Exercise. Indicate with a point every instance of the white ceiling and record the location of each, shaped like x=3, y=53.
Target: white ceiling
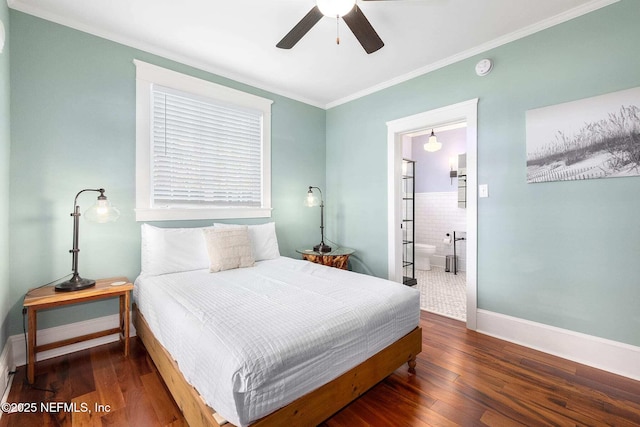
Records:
x=237, y=38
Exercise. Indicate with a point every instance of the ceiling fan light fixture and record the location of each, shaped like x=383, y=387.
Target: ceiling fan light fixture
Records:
x=350, y=13
x=335, y=8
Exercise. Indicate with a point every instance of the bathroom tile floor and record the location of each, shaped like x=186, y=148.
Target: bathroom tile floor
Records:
x=443, y=293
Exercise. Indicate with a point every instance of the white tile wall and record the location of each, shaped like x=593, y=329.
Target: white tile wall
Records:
x=436, y=215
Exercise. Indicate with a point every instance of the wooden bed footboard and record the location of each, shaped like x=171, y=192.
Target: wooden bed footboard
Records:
x=308, y=410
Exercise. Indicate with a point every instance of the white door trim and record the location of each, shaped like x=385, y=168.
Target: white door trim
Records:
x=465, y=111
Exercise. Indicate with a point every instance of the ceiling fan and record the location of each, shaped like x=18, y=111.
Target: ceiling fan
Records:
x=345, y=9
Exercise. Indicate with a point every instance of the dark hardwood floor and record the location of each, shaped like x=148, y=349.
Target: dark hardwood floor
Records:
x=463, y=378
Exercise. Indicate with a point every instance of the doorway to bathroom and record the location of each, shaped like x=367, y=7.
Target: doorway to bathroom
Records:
x=447, y=118
x=437, y=254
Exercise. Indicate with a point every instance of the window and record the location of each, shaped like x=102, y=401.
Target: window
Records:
x=203, y=151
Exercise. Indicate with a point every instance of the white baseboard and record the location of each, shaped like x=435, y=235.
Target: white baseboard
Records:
x=6, y=366
x=612, y=356
x=63, y=332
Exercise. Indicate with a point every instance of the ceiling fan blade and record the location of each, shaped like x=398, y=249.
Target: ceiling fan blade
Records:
x=362, y=29
x=301, y=28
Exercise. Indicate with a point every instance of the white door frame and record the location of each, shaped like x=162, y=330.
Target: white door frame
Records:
x=465, y=111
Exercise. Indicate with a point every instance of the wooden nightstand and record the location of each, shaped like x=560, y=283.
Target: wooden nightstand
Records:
x=338, y=258
x=47, y=297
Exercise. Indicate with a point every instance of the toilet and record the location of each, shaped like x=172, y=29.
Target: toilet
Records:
x=423, y=252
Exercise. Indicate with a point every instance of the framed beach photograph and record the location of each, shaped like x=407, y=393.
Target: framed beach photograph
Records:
x=596, y=137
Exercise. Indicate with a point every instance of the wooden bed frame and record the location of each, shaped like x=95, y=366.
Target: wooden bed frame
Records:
x=308, y=410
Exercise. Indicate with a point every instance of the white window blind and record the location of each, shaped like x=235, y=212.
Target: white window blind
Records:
x=205, y=153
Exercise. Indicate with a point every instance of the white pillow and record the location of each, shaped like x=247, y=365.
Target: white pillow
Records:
x=228, y=247
x=171, y=250
x=264, y=243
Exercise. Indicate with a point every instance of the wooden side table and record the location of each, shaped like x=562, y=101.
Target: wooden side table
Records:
x=338, y=258
x=47, y=297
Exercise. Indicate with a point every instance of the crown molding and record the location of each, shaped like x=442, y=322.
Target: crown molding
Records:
x=238, y=77
x=156, y=50
x=508, y=38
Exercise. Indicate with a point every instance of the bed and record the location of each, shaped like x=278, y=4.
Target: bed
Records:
x=283, y=341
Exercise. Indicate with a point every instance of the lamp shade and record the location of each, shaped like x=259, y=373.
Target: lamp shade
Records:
x=335, y=8
x=102, y=211
x=312, y=199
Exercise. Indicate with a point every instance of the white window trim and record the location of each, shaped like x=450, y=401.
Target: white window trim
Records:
x=148, y=74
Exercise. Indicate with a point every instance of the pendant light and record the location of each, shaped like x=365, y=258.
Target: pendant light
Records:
x=433, y=144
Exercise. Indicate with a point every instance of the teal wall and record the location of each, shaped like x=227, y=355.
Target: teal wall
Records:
x=562, y=253
x=73, y=127
x=5, y=138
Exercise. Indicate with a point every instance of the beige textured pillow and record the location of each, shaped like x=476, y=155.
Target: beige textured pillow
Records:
x=228, y=248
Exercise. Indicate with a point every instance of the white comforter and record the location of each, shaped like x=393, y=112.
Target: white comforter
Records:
x=252, y=340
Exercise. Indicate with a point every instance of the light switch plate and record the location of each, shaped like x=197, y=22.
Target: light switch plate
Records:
x=483, y=190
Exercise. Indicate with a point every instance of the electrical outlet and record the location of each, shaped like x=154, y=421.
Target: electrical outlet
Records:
x=483, y=190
